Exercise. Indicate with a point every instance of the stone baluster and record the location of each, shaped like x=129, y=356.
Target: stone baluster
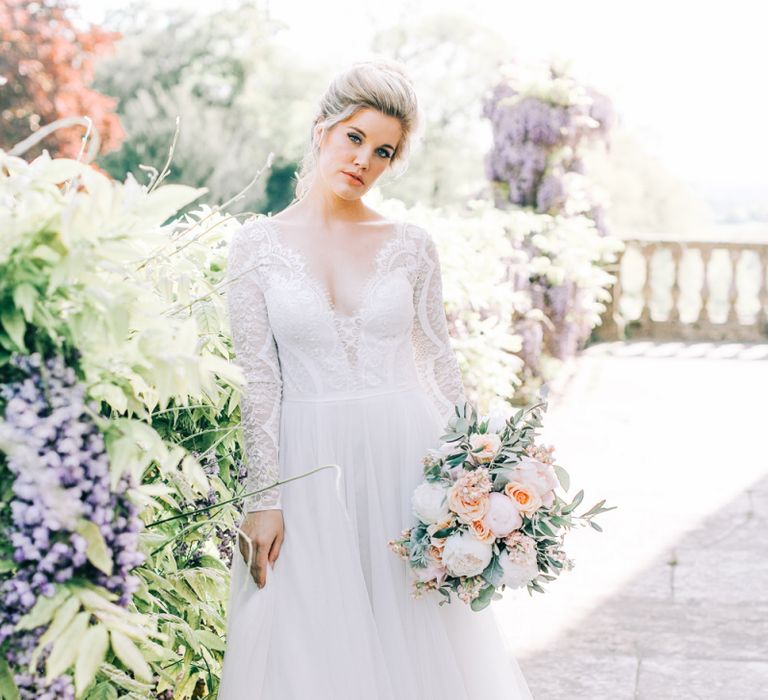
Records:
x=674, y=312
x=703, y=316
x=733, y=292
x=647, y=249
x=762, y=295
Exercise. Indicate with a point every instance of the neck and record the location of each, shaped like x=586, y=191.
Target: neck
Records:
x=322, y=204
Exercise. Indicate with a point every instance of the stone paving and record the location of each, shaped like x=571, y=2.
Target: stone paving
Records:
x=671, y=600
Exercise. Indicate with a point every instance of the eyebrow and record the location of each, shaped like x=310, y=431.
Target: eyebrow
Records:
x=363, y=133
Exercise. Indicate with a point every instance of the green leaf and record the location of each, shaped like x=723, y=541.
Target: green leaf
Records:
x=93, y=651
x=575, y=502
x=24, y=296
x=444, y=532
x=483, y=600
x=211, y=640
x=8, y=689
x=14, y=325
x=97, y=550
x=493, y=573
x=61, y=620
x=6, y=565
x=103, y=691
x=130, y=656
x=596, y=526
x=66, y=647
x=562, y=476
x=44, y=610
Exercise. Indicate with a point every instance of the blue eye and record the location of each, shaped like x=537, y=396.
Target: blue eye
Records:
x=383, y=152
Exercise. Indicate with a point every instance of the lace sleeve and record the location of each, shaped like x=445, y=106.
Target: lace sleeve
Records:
x=256, y=354
x=435, y=361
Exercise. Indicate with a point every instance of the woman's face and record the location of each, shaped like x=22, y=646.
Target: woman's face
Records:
x=361, y=145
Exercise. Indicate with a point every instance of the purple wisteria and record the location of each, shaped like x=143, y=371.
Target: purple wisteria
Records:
x=61, y=478
x=538, y=130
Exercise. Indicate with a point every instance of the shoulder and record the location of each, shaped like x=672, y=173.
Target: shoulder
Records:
x=250, y=235
x=416, y=231
x=421, y=239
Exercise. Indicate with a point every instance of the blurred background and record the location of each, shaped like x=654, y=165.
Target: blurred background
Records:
x=619, y=151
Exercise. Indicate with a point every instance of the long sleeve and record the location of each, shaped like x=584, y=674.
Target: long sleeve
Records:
x=256, y=354
x=435, y=360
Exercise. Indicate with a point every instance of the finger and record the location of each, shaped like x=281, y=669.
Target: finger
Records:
x=261, y=565
x=274, y=551
x=247, y=548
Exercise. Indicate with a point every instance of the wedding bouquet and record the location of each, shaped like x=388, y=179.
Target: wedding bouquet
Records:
x=489, y=511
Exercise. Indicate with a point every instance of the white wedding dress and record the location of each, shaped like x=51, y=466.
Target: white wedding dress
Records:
x=370, y=392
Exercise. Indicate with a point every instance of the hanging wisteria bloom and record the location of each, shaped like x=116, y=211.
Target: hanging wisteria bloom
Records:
x=66, y=521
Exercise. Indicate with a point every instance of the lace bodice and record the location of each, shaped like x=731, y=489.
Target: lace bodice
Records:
x=290, y=340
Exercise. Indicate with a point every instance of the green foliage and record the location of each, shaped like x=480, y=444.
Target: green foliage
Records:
x=88, y=271
x=237, y=94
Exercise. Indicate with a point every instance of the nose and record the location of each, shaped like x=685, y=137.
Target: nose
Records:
x=361, y=158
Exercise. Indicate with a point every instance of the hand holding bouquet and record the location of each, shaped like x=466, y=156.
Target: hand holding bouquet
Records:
x=489, y=512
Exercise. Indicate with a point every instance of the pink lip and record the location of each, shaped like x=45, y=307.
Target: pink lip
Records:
x=352, y=177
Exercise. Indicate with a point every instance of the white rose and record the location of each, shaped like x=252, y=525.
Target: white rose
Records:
x=465, y=555
x=489, y=444
x=447, y=448
x=517, y=571
x=430, y=502
x=502, y=516
x=497, y=419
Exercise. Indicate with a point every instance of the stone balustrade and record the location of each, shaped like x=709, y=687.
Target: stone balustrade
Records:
x=689, y=290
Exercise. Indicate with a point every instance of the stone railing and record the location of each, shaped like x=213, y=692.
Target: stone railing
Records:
x=689, y=290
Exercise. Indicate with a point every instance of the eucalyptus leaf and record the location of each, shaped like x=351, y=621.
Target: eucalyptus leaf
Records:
x=562, y=476
x=483, y=600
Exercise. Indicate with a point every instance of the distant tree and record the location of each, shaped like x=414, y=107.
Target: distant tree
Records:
x=453, y=61
x=237, y=93
x=46, y=68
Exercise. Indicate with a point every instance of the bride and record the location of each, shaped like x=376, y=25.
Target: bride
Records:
x=338, y=323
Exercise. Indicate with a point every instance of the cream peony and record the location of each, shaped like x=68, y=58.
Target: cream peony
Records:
x=503, y=515
x=465, y=555
x=519, y=560
x=490, y=444
x=430, y=502
x=517, y=572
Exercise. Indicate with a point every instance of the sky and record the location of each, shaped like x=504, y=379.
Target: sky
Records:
x=687, y=78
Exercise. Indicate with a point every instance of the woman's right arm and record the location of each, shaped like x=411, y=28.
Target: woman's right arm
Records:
x=256, y=354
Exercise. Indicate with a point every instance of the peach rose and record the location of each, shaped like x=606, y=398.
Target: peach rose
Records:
x=468, y=497
x=480, y=530
x=524, y=497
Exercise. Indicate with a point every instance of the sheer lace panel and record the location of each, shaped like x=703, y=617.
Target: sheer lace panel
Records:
x=435, y=361
x=256, y=353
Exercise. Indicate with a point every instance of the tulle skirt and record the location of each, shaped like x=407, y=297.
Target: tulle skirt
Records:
x=336, y=619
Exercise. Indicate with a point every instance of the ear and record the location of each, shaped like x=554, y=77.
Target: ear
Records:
x=317, y=135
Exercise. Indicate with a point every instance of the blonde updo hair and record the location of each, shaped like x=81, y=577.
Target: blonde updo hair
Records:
x=379, y=84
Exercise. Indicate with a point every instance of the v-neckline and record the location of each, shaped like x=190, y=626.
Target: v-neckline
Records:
x=321, y=290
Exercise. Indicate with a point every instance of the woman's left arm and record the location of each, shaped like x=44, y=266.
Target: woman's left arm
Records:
x=435, y=360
